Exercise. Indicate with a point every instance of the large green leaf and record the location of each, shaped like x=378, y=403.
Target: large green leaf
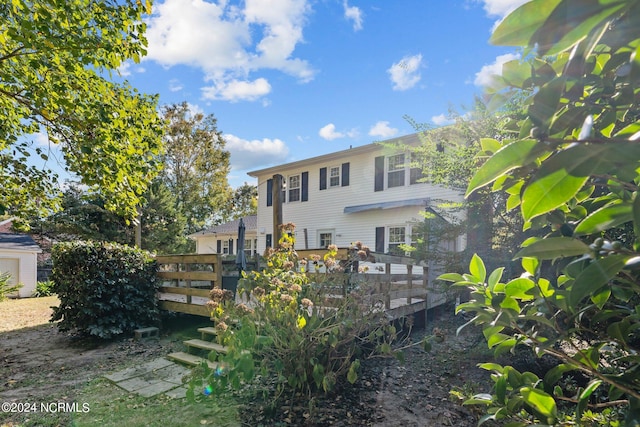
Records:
x=554, y=247
x=509, y=157
x=542, y=402
x=604, y=218
x=521, y=24
x=596, y=275
x=561, y=177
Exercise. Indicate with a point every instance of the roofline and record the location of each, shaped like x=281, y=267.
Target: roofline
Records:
x=410, y=139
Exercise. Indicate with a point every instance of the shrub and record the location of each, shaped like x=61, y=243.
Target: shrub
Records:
x=43, y=289
x=290, y=331
x=104, y=289
x=5, y=287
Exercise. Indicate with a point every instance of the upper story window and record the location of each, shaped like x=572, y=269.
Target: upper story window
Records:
x=334, y=176
x=395, y=170
x=293, y=188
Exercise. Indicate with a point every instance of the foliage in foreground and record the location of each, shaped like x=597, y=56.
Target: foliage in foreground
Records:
x=291, y=333
x=573, y=172
x=53, y=60
x=5, y=287
x=104, y=289
x=44, y=289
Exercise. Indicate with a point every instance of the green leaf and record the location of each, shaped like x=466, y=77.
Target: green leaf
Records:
x=609, y=216
x=554, y=247
x=519, y=26
x=477, y=268
x=561, y=177
x=530, y=265
x=541, y=402
x=596, y=275
x=511, y=156
x=518, y=288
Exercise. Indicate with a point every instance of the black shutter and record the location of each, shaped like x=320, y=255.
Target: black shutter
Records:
x=219, y=246
x=380, y=239
x=345, y=174
x=269, y=244
x=305, y=186
x=379, y=174
x=270, y=192
x=230, y=246
x=323, y=178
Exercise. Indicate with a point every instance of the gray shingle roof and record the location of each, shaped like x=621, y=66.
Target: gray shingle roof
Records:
x=231, y=227
x=18, y=242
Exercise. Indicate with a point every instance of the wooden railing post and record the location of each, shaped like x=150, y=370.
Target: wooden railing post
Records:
x=218, y=272
x=187, y=268
x=409, y=282
x=425, y=285
x=387, y=297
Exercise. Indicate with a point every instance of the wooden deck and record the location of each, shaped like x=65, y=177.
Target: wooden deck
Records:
x=187, y=280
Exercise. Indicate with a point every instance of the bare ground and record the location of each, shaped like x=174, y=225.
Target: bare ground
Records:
x=37, y=363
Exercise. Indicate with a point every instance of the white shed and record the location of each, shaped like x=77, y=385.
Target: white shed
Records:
x=19, y=257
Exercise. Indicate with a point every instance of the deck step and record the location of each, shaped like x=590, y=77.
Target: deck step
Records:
x=190, y=359
x=206, y=345
x=209, y=330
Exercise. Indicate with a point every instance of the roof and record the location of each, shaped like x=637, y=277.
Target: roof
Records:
x=412, y=139
x=387, y=205
x=18, y=242
x=231, y=227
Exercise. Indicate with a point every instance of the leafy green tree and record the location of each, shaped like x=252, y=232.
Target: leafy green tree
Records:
x=573, y=173
x=244, y=202
x=196, y=165
x=53, y=61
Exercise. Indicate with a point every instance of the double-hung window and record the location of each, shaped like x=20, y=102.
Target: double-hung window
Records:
x=334, y=176
x=395, y=170
x=397, y=237
x=293, y=188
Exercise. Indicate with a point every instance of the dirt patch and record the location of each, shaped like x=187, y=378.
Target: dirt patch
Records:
x=39, y=364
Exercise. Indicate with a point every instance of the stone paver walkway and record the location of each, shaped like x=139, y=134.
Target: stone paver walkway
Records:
x=153, y=378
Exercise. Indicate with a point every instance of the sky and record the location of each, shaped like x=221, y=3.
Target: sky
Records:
x=292, y=79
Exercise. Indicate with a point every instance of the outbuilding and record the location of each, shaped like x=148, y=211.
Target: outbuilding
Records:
x=19, y=257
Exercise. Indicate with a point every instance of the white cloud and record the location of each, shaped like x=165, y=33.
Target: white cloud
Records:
x=175, y=85
x=441, y=120
x=256, y=153
x=329, y=132
x=382, y=130
x=237, y=90
x=354, y=14
x=124, y=69
x=484, y=77
x=405, y=73
x=229, y=41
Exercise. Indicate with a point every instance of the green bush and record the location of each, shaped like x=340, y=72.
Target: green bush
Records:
x=5, y=287
x=104, y=289
x=43, y=289
x=290, y=333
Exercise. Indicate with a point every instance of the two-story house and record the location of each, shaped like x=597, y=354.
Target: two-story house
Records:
x=368, y=193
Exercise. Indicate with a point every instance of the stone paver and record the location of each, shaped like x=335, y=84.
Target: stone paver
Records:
x=152, y=378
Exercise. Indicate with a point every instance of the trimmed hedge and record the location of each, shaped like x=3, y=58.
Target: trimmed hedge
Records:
x=105, y=289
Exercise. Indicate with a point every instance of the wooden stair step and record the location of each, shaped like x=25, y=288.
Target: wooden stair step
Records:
x=190, y=359
x=206, y=345
x=209, y=330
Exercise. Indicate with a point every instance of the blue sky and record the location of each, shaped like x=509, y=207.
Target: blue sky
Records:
x=292, y=79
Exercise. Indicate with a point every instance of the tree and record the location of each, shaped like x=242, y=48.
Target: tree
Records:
x=53, y=60
x=244, y=202
x=573, y=173
x=196, y=165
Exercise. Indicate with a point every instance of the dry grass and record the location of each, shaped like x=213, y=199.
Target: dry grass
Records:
x=25, y=312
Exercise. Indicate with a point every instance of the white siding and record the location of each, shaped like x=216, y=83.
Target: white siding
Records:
x=23, y=269
x=325, y=208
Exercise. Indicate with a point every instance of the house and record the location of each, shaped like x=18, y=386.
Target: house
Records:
x=368, y=193
x=19, y=257
x=223, y=238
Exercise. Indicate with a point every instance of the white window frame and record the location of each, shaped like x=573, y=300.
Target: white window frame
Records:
x=225, y=247
x=294, y=190
x=338, y=175
x=332, y=232
x=399, y=170
x=408, y=232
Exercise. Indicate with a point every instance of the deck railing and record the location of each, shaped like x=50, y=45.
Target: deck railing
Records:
x=402, y=286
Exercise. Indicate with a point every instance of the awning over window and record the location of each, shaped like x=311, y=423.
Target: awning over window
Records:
x=387, y=205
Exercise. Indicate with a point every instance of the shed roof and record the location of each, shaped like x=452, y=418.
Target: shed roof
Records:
x=18, y=242
x=231, y=227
